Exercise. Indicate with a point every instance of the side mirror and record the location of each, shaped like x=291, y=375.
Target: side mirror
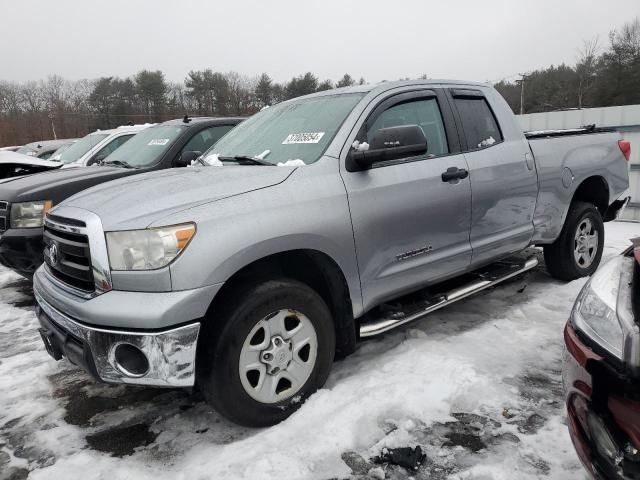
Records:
x=390, y=144
x=185, y=159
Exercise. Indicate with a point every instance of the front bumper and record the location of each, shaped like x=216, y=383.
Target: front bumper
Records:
x=600, y=403
x=21, y=249
x=127, y=310
x=171, y=354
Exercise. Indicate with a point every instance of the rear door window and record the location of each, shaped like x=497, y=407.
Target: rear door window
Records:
x=480, y=126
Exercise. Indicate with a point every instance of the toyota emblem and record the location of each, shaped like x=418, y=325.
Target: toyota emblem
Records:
x=53, y=254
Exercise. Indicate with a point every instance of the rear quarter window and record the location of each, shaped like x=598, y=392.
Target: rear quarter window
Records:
x=480, y=126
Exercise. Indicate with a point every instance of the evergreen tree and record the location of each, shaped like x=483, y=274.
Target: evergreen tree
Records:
x=264, y=93
x=345, y=81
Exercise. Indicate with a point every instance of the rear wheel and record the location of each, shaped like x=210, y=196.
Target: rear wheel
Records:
x=578, y=250
x=272, y=347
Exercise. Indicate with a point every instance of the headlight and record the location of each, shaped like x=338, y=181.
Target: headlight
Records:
x=603, y=313
x=29, y=214
x=148, y=249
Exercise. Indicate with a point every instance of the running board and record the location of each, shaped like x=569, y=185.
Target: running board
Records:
x=485, y=278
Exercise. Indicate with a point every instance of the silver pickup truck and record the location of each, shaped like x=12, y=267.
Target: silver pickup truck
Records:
x=317, y=222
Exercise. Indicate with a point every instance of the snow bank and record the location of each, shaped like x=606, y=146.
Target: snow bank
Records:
x=489, y=363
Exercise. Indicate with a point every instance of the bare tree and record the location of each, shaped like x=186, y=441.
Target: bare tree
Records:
x=241, y=93
x=629, y=38
x=32, y=96
x=586, y=67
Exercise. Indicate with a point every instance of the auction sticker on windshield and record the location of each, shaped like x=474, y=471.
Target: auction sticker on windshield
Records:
x=303, y=138
x=158, y=141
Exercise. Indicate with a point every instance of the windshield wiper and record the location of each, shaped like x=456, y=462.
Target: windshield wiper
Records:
x=247, y=159
x=118, y=163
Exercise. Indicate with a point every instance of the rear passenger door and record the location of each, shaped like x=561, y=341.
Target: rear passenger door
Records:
x=503, y=178
x=410, y=226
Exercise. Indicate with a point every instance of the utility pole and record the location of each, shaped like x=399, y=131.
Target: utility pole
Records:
x=53, y=127
x=524, y=76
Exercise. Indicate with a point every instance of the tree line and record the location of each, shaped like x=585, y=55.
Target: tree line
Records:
x=602, y=76
x=32, y=111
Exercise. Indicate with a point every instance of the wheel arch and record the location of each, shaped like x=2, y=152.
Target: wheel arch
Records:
x=312, y=267
x=594, y=190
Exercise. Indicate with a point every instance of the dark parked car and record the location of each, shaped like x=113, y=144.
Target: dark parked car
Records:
x=601, y=372
x=25, y=200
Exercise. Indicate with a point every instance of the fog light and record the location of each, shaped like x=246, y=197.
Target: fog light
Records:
x=605, y=444
x=130, y=360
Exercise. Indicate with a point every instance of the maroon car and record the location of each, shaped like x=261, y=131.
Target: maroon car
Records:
x=601, y=372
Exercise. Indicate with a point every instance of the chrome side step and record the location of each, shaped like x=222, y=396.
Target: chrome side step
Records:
x=489, y=277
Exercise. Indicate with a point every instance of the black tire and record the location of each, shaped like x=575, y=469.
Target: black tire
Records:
x=559, y=256
x=223, y=337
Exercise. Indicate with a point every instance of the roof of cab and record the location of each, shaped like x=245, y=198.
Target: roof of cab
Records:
x=211, y=120
x=384, y=86
x=50, y=143
x=123, y=128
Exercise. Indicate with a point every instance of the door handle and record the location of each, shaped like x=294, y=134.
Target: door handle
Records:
x=454, y=173
x=528, y=158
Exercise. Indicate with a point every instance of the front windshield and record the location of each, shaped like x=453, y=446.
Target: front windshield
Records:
x=82, y=146
x=146, y=147
x=294, y=132
x=56, y=155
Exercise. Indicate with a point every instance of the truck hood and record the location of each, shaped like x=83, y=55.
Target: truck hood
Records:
x=58, y=184
x=136, y=202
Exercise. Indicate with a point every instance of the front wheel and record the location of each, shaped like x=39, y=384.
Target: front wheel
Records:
x=578, y=250
x=273, y=345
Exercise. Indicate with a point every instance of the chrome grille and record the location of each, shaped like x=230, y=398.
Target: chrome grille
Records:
x=67, y=254
x=4, y=215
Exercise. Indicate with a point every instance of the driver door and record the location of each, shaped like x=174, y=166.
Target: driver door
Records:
x=410, y=226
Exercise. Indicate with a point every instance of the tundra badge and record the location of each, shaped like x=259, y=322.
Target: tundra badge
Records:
x=414, y=253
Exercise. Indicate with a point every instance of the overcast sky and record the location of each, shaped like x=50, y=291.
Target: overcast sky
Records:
x=462, y=39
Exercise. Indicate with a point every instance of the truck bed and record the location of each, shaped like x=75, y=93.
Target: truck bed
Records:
x=586, y=130
x=564, y=160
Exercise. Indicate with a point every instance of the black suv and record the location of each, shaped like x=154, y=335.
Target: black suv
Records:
x=25, y=200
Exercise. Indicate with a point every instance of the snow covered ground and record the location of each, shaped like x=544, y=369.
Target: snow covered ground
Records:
x=476, y=385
